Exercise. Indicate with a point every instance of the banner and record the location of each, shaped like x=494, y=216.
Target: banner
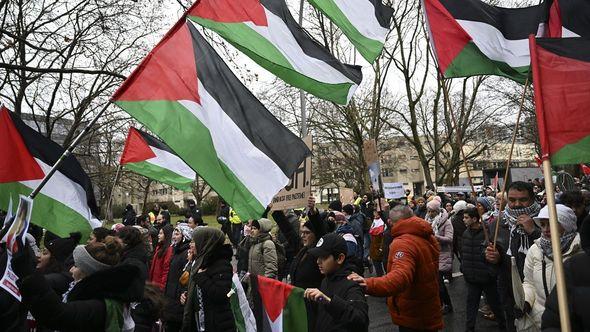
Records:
x=393, y=190
x=295, y=194
x=346, y=195
x=15, y=233
x=372, y=161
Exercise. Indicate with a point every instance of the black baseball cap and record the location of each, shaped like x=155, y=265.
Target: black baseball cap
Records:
x=329, y=244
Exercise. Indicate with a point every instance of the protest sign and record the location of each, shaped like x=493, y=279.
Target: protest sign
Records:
x=295, y=194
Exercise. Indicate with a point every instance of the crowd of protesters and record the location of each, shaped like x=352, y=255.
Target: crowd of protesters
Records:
x=150, y=274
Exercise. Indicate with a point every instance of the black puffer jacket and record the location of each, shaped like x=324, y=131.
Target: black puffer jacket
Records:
x=215, y=282
x=137, y=256
x=86, y=309
x=577, y=280
x=174, y=310
x=347, y=310
x=305, y=272
x=474, y=266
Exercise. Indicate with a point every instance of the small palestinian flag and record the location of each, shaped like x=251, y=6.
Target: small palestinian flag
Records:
x=243, y=315
x=146, y=155
x=364, y=22
x=186, y=95
x=569, y=18
x=266, y=32
x=66, y=203
x=471, y=38
x=278, y=306
x=561, y=77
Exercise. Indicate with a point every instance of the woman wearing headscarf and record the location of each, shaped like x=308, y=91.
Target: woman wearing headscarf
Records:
x=207, y=307
x=181, y=238
x=162, y=255
x=539, y=275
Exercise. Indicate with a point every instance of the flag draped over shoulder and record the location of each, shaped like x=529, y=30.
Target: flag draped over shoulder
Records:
x=364, y=22
x=66, y=203
x=278, y=306
x=561, y=77
x=470, y=37
x=266, y=31
x=146, y=155
x=186, y=95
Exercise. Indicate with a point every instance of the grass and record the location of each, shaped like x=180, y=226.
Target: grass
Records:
x=210, y=220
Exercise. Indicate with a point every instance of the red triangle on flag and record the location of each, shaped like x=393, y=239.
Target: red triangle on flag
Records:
x=17, y=163
x=172, y=61
x=230, y=11
x=274, y=295
x=585, y=169
x=136, y=148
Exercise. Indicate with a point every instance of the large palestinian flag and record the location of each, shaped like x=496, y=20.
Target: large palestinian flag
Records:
x=569, y=18
x=561, y=77
x=186, y=95
x=148, y=156
x=470, y=37
x=278, y=306
x=266, y=32
x=66, y=203
x=364, y=22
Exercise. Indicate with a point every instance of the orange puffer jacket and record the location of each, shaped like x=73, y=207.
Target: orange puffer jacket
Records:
x=412, y=282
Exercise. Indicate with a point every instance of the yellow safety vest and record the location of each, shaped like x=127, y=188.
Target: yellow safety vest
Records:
x=233, y=217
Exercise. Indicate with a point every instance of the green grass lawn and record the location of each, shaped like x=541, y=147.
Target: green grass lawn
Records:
x=209, y=220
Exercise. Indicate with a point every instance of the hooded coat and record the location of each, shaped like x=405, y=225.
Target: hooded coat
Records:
x=86, y=309
x=411, y=284
x=262, y=257
x=173, y=311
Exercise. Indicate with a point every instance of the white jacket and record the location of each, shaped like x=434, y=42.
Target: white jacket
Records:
x=534, y=289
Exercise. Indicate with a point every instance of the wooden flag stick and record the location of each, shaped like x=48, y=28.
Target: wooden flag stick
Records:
x=514, y=134
x=110, y=202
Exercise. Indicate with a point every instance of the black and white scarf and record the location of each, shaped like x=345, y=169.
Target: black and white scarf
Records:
x=565, y=243
x=511, y=218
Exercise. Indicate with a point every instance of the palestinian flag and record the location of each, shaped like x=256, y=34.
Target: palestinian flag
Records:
x=148, y=156
x=278, y=306
x=66, y=203
x=186, y=95
x=364, y=22
x=266, y=32
x=569, y=18
x=561, y=77
x=471, y=38
x=243, y=315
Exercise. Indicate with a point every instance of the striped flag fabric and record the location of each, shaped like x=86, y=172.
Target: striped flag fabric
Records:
x=266, y=31
x=561, y=78
x=185, y=94
x=66, y=203
x=148, y=156
x=278, y=306
x=243, y=315
x=470, y=37
x=364, y=22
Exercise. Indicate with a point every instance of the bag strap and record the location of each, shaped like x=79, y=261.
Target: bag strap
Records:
x=545, y=288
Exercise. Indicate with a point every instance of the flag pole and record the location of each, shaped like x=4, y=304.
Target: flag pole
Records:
x=68, y=151
x=301, y=93
x=460, y=143
x=109, y=206
x=514, y=134
x=564, y=315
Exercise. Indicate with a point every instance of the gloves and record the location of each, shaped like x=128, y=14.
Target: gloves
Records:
x=22, y=262
x=518, y=314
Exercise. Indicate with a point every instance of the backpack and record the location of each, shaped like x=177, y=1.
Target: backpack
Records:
x=281, y=257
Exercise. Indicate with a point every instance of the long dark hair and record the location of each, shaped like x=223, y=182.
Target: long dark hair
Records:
x=167, y=230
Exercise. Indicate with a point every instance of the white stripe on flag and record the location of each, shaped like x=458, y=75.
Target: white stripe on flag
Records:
x=361, y=13
x=247, y=314
x=495, y=46
x=257, y=172
x=281, y=37
x=62, y=189
x=171, y=162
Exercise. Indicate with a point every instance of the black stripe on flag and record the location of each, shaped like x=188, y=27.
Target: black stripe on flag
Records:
x=382, y=13
x=514, y=23
x=309, y=45
x=575, y=16
x=262, y=129
x=573, y=48
x=152, y=141
x=49, y=152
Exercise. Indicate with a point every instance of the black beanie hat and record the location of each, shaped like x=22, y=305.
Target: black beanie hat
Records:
x=336, y=206
x=61, y=249
x=256, y=223
x=348, y=208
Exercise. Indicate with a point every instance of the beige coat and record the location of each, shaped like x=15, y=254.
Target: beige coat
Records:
x=533, y=277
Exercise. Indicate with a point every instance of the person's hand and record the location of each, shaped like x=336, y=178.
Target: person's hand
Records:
x=183, y=298
x=526, y=222
x=518, y=313
x=492, y=255
x=316, y=295
x=201, y=270
x=358, y=279
x=22, y=263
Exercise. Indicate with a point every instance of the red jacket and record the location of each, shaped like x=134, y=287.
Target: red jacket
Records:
x=160, y=267
x=412, y=281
